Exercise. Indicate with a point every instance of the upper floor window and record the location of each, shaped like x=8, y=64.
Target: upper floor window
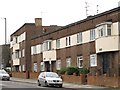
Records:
x=68, y=41
x=47, y=45
x=23, y=52
x=109, y=29
x=58, y=43
x=104, y=29
x=92, y=34
x=101, y=31
x=38, y=48
x=15, y=39
x=79, y=37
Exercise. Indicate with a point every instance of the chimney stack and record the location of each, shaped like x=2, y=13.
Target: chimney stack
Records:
x=38, y=22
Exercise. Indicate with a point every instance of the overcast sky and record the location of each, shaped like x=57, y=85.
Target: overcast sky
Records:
x=53, y=12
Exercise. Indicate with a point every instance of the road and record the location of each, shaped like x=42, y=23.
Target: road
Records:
x=12, y=85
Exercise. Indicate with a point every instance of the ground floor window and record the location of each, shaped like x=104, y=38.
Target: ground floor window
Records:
x=35, y=67
x=42, y=68
x=93, y=60
x=58, y=64
x=23, y=67
x=20, y=68
x=80, y=61
x=68, y=62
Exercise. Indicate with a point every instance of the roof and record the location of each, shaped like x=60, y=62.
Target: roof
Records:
x=23, y=26
x=78, y=22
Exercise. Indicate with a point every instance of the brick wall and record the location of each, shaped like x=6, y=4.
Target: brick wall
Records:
x=74, y=79
x=34, y=75
x=103, y=80
x=19, y=74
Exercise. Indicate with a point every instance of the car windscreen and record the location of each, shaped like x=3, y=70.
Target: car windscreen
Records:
x=53, y=75
x=3, y=72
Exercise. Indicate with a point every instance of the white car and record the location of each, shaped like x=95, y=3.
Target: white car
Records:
x=49, y=79
x=4, y=75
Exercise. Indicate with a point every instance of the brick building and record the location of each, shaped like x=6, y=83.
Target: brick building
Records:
x=92, y=43
x=21, y=45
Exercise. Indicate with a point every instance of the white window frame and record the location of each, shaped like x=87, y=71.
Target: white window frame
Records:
x=80, y=61
x=42, y=66
x=38, y=49
x=47, y=45
x=35, y=67
x=20, y=68
x=20, y=54
x=101, y=31
x=92, y=34
x=109, y=30
x=68, y=62
x=23, y=52
x=68, y=41
x=58, y=43
x=93, y=60
x=23, y=67
x=32, y=50
x=79, y=38
x=58, y=64
x=16, y=54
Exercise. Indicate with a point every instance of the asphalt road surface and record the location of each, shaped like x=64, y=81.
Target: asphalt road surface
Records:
x=11, y=85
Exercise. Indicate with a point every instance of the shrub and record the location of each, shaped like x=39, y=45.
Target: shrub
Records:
x=72, y=69
x=61, y=71
x=83, y=71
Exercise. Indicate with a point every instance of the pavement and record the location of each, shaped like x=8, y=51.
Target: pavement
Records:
x=66, y=85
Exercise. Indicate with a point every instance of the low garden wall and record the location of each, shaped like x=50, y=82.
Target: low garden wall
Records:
x=19, y=74
x=103, y=80
x=82, y=79
x=26, y=75
x=34, y=75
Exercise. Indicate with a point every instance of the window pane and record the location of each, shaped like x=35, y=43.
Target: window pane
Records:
x=80, y=61
x=93, y=60
x=58, y=64
x=108, y=29
x=79, y=37
x=58, y=43
x=68, y=62
x=35, y=67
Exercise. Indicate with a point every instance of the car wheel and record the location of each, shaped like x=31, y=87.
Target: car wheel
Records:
x=38, y=83
x=46, y=84
x=8, y=79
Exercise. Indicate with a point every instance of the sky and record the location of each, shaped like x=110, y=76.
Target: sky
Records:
x=52, y=12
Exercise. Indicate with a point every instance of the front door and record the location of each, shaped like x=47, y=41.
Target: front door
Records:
x=105, y=62
x=47, y=66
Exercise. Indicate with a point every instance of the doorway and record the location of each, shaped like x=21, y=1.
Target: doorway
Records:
x=105, y=62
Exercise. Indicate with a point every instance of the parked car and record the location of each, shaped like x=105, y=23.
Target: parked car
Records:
x=4, y=75
x=49, y=79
